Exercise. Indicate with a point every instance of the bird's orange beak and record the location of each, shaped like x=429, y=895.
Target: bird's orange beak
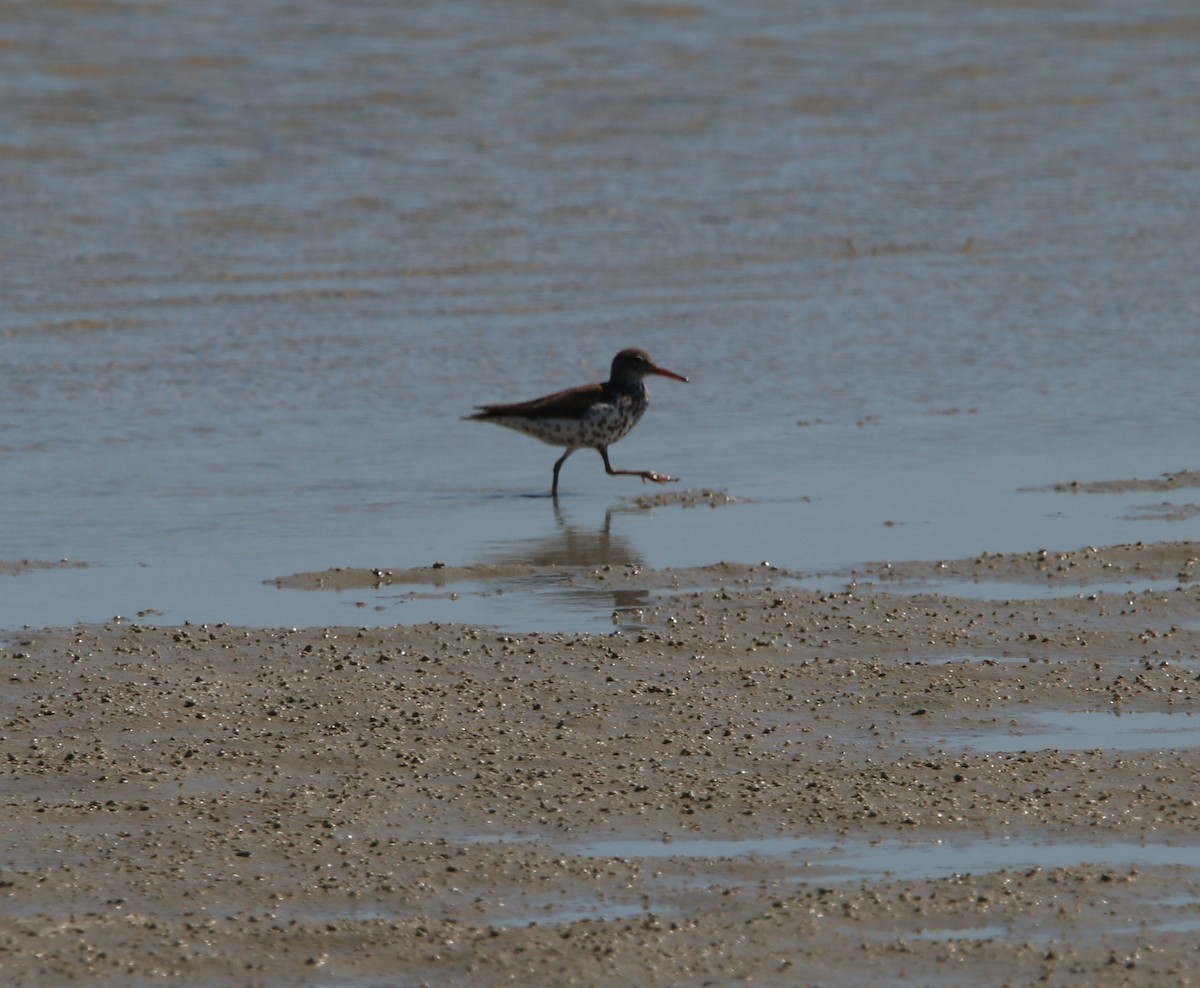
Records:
x=663, y=372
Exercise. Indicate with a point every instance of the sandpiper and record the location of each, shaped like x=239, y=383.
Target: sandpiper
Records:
x=591, y=416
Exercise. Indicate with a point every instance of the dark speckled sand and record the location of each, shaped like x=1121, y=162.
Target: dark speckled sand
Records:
x=456, y=806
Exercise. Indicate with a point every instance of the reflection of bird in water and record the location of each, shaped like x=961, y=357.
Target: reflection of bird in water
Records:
x=591, y=416
x=578, y=549
x=571, y=546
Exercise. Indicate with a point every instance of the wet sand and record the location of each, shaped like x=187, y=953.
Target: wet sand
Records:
x=19, y=566
x=457, y=806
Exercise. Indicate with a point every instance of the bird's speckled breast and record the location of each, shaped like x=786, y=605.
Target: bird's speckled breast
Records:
x=612, y=420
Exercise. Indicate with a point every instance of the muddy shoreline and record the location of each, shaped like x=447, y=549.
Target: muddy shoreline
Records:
x=760, y=782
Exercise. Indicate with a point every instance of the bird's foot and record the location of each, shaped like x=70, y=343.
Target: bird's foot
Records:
x=658, y=478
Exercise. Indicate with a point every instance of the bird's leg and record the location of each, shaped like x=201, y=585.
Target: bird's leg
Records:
x=558, y=466
x=658, y=478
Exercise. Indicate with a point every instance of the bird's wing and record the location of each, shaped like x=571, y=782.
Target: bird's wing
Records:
x=572, y=403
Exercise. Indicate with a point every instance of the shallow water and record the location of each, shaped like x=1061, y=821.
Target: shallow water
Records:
x=913, y=257
x=712, y=862
x=813, y=860
x=1084, y=730
x=865, y=860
